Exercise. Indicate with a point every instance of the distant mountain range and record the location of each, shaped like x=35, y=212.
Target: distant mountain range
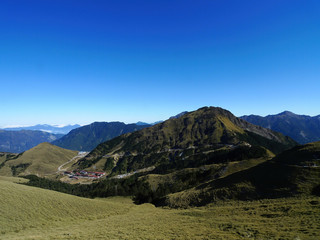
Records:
x=55, y=129
x=22, y=140
x=88, y=137
x=301, y=128
x=144, y=123
x=193, y=159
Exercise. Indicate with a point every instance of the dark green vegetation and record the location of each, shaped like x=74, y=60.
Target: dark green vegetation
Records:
x=86, y=138
x=301, y=128
x=293, y=172
x=195, y=138
x=106, y=188
x=4, y=156
x=20, y=141
x=146, y=187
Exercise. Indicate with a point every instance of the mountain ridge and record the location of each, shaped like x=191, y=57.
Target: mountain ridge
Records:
x=302, y=128
x=55, y=129
x=87, y=137
x=206, y=127
x=23, y=140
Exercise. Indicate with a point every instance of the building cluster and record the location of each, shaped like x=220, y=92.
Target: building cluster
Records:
x=76, y=174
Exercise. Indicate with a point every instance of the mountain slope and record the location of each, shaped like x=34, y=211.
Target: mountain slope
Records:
x=293, y=172
x=88, y=137
x=20, y=141
x=301, y=128
x=204, y=130
x=24, y=207
x=33, y=213
x=43, y=159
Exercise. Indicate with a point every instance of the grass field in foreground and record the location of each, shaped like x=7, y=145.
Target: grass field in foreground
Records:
x=32, y=213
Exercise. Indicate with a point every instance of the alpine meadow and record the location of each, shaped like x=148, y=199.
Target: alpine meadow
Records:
x=160, y=120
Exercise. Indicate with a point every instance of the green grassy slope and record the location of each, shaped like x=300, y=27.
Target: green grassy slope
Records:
x=31, y=213
x=293, y=172
x=28, y=207
x=42, y=159
x=4, y=156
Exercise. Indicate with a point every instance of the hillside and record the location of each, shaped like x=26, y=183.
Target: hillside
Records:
x=24, y=207
x=86, y=138
x=43, y=159
x=293, y=172
x=32, y=213
x=20, y=141
x=4, y=156
x=191, y=138
x=301, y=128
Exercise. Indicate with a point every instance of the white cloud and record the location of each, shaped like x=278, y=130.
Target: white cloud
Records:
x=15, y=126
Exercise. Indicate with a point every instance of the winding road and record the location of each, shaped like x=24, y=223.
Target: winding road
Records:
x=80, y=155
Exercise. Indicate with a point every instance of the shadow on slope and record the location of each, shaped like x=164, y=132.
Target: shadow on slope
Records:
x=293, y=172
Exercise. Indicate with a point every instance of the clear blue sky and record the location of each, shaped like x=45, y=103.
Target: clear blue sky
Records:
x=83, y=61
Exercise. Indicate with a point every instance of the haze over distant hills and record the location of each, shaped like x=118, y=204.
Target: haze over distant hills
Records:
x=56, y=129
x=302, y=128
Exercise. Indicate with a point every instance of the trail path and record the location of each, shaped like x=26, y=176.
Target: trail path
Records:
x=80, y=155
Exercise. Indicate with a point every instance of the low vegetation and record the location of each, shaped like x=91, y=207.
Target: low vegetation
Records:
x=197, y=183
x=33, y=213
x=294, y=172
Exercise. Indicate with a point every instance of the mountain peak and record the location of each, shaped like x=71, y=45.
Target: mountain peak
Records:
x=287, y=113
x=205, y=128
x=141, y=123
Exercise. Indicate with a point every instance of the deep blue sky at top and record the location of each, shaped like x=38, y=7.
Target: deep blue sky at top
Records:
x=84, y=61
